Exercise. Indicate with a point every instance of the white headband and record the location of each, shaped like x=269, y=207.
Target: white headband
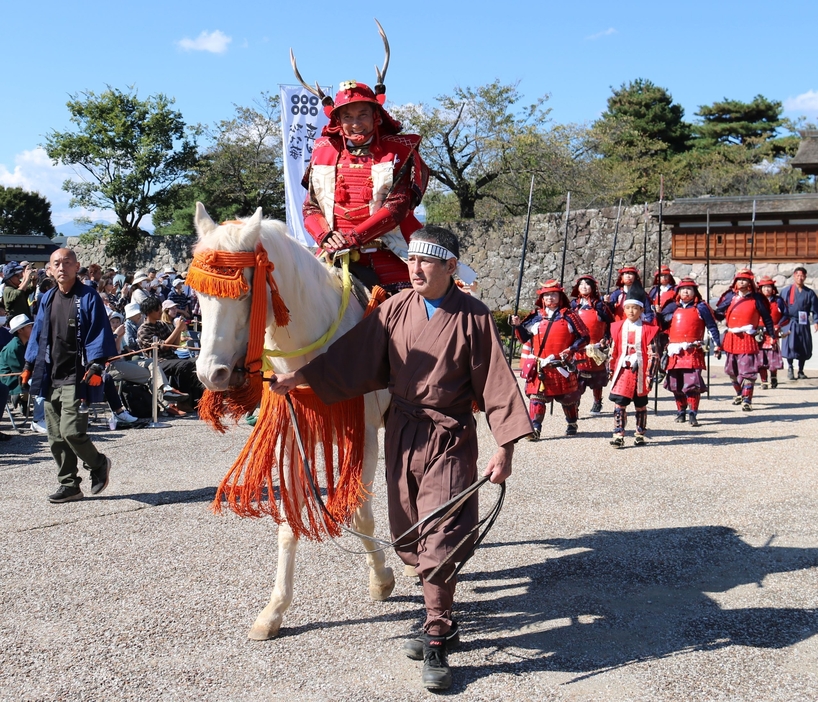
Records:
x=427, y=248
x=633, y=302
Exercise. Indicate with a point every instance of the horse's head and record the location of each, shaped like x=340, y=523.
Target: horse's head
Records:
x=225, y=319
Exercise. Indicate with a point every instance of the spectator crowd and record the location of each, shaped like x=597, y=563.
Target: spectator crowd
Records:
x=143, y=308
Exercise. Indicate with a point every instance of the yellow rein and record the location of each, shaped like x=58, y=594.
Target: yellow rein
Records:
x=268, y=354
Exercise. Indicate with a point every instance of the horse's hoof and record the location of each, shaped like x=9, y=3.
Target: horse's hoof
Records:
x=380, y=591
x=264, y=631
x=409, y=571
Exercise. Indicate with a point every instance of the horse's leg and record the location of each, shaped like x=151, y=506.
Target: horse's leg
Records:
x=268, y=621
x=381, y=577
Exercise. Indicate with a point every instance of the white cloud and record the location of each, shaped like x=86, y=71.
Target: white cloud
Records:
x=599, y=35
x=214, y=42
x=34, y=171
x=805, y=103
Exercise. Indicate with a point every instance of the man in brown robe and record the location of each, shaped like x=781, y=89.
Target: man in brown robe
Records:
x=437, y=350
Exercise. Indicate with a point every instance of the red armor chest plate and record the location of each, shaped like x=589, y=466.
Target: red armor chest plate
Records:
x=686, y=325
x=596, y=327
x=353, y=190
x=742, y=311
x=775, y=312
x=559, y=338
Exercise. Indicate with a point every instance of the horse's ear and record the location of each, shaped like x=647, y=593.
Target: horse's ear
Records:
x=204, y=224
x=252, y=226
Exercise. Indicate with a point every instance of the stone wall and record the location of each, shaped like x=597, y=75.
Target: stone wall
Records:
x=156, y=251
x=493, y=249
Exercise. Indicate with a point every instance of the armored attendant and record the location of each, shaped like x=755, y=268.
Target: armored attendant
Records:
x=685, y=319
x=632, y=350
x=628, y=277
x=364, y=181
x=663, y=291
x=769, y=347
x=743, y=310
x=551, y=335
x=802, y=302
x=597, y=317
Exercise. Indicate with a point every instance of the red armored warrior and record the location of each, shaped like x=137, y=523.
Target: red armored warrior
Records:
x=685, y=319
x=551, y=336
x=744, y=310
x=770, y=349
x=364, y=181
x=663, y=290
x=597, y=317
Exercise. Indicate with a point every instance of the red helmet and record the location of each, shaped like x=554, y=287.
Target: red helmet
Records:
x=745, y=274
x=688, y=282
x=351, y=92
x=552, y=286
x=665, y=270
x=766, y=280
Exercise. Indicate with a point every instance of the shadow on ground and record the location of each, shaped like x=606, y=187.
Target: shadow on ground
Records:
x=611, y=599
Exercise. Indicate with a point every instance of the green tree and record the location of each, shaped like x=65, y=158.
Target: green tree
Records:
x=23, y=212
x=473, y=137
x=129, y=153
x=241, y=170
x=642, y=120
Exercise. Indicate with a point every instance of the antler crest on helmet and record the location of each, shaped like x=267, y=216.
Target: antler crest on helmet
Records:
x=380, y=73
x=326, y=100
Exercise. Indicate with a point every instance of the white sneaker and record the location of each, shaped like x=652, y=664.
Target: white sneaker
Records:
x=39, y=427
x=126, y=417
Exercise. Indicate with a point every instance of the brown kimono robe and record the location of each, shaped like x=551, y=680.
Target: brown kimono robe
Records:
x=434, y=369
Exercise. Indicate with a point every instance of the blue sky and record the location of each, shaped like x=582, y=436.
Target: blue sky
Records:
x=212, y=55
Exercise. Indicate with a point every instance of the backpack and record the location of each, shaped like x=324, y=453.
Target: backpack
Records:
x=137, y=399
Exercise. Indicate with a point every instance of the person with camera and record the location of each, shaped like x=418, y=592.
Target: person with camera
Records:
x=181, y=372
x=20, y=282
x=69, y=345
x=551, y=336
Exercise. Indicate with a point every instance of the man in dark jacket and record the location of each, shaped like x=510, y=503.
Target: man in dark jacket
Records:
x=69, y=345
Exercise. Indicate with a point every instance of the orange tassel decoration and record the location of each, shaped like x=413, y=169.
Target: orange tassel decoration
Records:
x=249, y=488
x=376, y=297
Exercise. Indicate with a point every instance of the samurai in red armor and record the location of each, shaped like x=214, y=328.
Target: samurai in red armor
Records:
x=597, y=317
x=744, y=310
x=632, y=352
x=552, y=335
x=364, y=181
x=628, y=277
x=770, y=350
x=685, y=320
x=663, y=290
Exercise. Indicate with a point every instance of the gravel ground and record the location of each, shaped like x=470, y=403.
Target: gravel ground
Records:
x=687, y=569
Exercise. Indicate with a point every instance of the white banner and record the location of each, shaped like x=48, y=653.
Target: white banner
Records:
x=302, y=118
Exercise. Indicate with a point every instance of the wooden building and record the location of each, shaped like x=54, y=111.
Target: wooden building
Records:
x=785, y=229
x=36, y=249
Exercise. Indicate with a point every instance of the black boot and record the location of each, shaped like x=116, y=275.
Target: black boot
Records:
x=413, y=648
x=436, y=672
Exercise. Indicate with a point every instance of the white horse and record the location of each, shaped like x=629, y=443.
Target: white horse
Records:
x=312, y=293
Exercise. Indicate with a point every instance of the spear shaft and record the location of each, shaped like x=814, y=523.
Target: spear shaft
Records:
x=657, y=306
x=522, y=267
x=565, y=237
x=613, y=248
x=707, y=290
x=752, y=234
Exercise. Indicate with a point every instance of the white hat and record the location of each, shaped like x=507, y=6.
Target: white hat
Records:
x=114, y=314
x=167, y=304
x=176, y=282
x=168, y=269
x=138, y=277
x=18, y=322
x=132, y=309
